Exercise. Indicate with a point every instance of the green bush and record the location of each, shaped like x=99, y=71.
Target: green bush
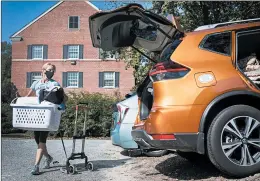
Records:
x=99, y=114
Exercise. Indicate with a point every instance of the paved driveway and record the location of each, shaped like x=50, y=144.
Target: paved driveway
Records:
x=109, y=163
x=18, y=158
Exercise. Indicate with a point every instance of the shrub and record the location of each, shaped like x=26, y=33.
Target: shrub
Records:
x=99, y=118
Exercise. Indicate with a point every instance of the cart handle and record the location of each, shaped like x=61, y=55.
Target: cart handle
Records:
x=81, y=107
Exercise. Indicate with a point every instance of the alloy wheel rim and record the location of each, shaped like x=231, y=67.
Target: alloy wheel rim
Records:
x=240, y=140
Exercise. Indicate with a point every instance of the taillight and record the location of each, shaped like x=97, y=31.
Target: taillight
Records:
x=122, y=110
x=167, y=70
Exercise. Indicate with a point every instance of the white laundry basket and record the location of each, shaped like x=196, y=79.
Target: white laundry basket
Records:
x=30, y=115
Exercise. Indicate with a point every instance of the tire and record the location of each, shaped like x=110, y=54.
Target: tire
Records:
x=192, y=156
x=155, y=153
x=217, y=155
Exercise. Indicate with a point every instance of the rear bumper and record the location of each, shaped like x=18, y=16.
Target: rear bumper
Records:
x=187, y=142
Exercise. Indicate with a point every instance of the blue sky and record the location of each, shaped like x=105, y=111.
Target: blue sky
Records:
x=16, y=14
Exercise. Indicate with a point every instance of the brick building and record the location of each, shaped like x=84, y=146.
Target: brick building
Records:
x=61, y=36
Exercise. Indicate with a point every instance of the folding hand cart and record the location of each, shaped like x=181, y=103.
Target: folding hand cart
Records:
x=88, y=165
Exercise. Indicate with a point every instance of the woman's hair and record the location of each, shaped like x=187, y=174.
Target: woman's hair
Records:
x=46, y=65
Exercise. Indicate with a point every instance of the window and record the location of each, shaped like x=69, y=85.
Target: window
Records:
x=108, y=79
x=73, y=52
x=37, y=52
x=72, y=79
x=35, y=76
x=220, y=43
x=248, y=49
x=108, y=54
x=73, y=22
x=31, y=77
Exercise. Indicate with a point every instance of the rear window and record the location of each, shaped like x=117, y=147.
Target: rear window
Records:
x=219, y=43
x=168, y=50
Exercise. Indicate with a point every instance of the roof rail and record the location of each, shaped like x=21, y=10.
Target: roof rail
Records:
x=226, y=24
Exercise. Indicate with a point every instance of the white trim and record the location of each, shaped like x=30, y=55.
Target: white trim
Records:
x=42, y=53
x=71, y=87
x=109, y=87
x=77, y=58
x=68, y=79
x=71, y=29
x=57, y=4
x=93, y=6
x=114, y=80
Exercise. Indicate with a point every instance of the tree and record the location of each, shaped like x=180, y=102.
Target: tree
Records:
x=197, y=13
x=8, y=90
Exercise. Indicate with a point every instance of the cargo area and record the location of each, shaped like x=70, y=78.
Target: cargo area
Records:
x=248, y=56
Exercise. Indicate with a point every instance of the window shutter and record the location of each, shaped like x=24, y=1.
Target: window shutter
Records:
x=29, y=52
x=80, y=79
x=81, y=50
x=117, y=79
x=28, y=79
x=101, y=79
x=64, y=79
x=45, y=51
x=65, y=51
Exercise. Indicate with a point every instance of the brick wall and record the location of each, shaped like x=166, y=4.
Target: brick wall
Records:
x=90, y=74
x=52, y=30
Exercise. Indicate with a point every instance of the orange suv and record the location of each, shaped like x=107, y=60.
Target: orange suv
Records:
x=203, y=95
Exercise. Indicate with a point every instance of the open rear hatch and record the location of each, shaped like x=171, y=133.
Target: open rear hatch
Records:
x=131, y=25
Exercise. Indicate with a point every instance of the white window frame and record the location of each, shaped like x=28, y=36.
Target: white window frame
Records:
x=32, y=80
x=69, y=51
x=68, y=80
x=69, y=23
x=33, y=53
x=114, y=77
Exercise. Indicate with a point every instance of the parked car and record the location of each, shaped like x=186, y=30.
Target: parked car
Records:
x=114, y=131
x=196, y=97
x=116, y=123
x=127, y=110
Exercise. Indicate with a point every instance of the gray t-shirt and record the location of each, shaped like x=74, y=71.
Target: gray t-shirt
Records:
x=39, y=85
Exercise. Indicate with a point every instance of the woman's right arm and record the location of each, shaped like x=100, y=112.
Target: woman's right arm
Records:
x=32, y=88
x=29, y=93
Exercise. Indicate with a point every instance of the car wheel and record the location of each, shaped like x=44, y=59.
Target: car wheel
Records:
x=192, y=156
x=233, y=141
x=155, y=153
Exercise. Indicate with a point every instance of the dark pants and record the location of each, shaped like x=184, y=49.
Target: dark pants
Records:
x=40, y=136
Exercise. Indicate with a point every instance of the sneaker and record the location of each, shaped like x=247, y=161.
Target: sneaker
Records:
x=35, y=170
x=48, y=162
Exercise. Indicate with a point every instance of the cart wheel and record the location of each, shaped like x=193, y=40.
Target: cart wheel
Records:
x=72, y=169
x=86, y=162
x=90, y=166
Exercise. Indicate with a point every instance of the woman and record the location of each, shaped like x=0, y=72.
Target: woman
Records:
x=46, y=82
